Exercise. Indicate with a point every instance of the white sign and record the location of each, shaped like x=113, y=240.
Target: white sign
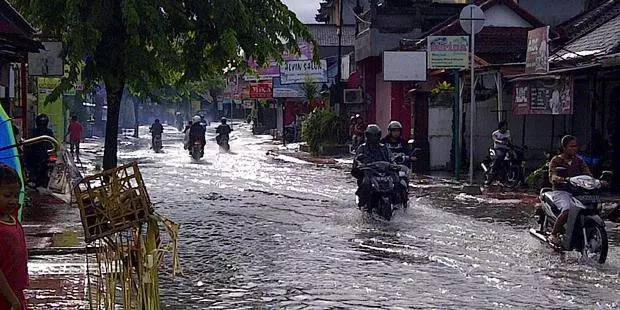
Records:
x=300, y=71
x=47, y=62
x=404, y=66
x=345, y=67
x=472, y=19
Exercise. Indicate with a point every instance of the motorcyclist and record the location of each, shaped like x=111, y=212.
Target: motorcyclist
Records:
x=223, y=130
x=37, y=154
x=397, y=145
x=501, y=144
x=156, y=130
x=573, y=166
x=197, y=133
x=369, y=152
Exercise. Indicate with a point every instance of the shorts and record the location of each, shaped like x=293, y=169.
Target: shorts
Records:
x=75, y=145
x=563, y=200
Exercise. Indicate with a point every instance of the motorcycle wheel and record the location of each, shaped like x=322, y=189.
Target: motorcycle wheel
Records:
x=595, y=243
x=513, y=177
x=385, y=208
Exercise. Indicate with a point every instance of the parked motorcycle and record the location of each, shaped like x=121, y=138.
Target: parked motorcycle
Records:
x=197, y=150
x=585, y=230
x=385, y=187
x=157, y=144
x=509, y=172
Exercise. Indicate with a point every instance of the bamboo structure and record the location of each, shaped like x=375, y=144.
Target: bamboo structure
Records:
x=124, y=232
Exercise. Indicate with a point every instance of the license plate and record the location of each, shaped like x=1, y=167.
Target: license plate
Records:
x=589, y=198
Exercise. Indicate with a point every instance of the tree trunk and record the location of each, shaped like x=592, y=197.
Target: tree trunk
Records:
x=136, y=126
x=114, y=92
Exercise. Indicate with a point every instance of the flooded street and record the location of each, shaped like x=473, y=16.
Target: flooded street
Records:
x=259, y=232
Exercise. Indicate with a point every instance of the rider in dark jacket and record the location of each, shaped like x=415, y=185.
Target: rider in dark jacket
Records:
x=156, y=130
x=369, y=152
x=37, y=154
x=196, y=133
x=397, y=145
x=223, y=130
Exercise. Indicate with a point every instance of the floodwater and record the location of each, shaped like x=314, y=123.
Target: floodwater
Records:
x=262, y=233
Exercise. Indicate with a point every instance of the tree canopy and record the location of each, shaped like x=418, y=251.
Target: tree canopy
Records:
x=149, y=44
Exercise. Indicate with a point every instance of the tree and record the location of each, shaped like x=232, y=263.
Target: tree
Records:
x=148, y=44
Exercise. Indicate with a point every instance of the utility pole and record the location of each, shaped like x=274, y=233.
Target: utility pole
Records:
x=339, y=75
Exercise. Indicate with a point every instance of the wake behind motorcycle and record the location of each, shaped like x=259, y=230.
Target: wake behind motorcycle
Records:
x=507, y=170
x=388, y=188
x=197, y=150
x=222, y=141
x=585, y=230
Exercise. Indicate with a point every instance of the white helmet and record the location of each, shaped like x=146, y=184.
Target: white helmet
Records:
x=196, y=119
x=394, y=125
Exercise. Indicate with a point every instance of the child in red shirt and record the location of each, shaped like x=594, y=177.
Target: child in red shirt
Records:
x=13, y=251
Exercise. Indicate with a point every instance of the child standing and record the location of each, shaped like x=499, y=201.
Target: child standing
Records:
x=13, y=251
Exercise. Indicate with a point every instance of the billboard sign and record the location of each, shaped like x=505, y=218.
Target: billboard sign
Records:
x=300, y=71
x=550, y=97
x=537, y=57
x=404, y=66
x=448, y=52
x=261, y=90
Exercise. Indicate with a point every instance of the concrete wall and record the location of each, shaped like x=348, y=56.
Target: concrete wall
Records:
x=383, y=102
x=372, y=42
x=502, y=16
x=440, y=136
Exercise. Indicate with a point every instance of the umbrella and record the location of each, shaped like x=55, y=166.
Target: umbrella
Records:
x=9, y=154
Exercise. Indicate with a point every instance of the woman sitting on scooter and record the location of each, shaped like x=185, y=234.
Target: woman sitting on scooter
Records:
x=573, y=166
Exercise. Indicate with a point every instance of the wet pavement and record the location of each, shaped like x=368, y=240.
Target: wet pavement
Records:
x=261, y=231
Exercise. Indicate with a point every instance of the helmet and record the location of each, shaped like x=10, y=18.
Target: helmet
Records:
x=196, y=119
x=394, y=125
x=373, y=134
x=224, y=120
x=157, y=120
x=42, y=120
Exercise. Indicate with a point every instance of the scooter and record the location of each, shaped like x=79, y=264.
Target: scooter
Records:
x=509, y=172
x=585, y=230
x=197, y=150
x=383, y=178
x=157, y=144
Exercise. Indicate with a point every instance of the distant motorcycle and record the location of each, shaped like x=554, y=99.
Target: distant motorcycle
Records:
x=222, y=141
x=157, y=144
x=386, y=186
x=585, y=230
x=509, y=172
x=197, y=150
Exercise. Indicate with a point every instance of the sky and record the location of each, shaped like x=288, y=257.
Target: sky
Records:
x=305, y=9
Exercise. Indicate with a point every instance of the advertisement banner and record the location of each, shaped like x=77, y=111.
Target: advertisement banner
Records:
x=287, y=91
x=550, y=97
x=300, y=71
x=55, y=109
x=273, y=70
x=448, y=52
x=261, y=90
x=537, y=56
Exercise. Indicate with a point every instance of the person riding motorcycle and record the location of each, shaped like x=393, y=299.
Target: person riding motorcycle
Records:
x=223, y=130
x=37, y=154
x=156, y=130
x=397, y=145
x=369, y=152
x=573, y=166
x=197, y=133
x=501, y=144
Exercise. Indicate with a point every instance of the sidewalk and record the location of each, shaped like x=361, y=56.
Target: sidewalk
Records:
x=292, y=153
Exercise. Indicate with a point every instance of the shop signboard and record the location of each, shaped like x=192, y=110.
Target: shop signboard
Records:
x=551, y=97
x=448, y=52
x=273, y=69
x=261, y=90
x=301, y=71
x=537, y=56
x=287, y=91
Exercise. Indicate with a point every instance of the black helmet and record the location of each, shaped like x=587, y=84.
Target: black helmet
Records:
x=42, y=120
x=394, y=125
x=373, y=134
x=224, y=120
x=157, y=120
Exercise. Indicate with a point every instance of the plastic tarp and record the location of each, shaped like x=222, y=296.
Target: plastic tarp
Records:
x=10, y=155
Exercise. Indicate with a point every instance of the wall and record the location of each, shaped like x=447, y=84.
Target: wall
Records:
x=440, y=136
x=372, y=42
x=401, y=107
x=502, y=16
x=553, y=12
x=383, y=102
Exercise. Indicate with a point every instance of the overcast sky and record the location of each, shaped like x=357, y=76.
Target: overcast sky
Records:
x=305, y=9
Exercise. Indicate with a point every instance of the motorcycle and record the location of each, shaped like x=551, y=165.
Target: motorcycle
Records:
x=509, y=172
x=197, y=150
x=585, y=230
x=383, y=178
x=222, y=141
x=157, y=144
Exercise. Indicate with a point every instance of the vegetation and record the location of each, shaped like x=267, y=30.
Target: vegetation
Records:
x=323, y=127
x=310, y=89
x=145, y=45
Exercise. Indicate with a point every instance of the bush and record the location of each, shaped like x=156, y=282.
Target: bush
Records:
x=322, y=127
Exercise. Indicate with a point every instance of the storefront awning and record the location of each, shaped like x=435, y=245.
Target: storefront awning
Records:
x=551, y=75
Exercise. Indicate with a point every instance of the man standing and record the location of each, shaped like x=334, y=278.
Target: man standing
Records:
x=75, y=132
x=501, y=144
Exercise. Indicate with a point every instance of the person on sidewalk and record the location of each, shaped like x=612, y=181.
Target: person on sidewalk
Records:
x=13, y=250
x=573, y=166
x=75, y=132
